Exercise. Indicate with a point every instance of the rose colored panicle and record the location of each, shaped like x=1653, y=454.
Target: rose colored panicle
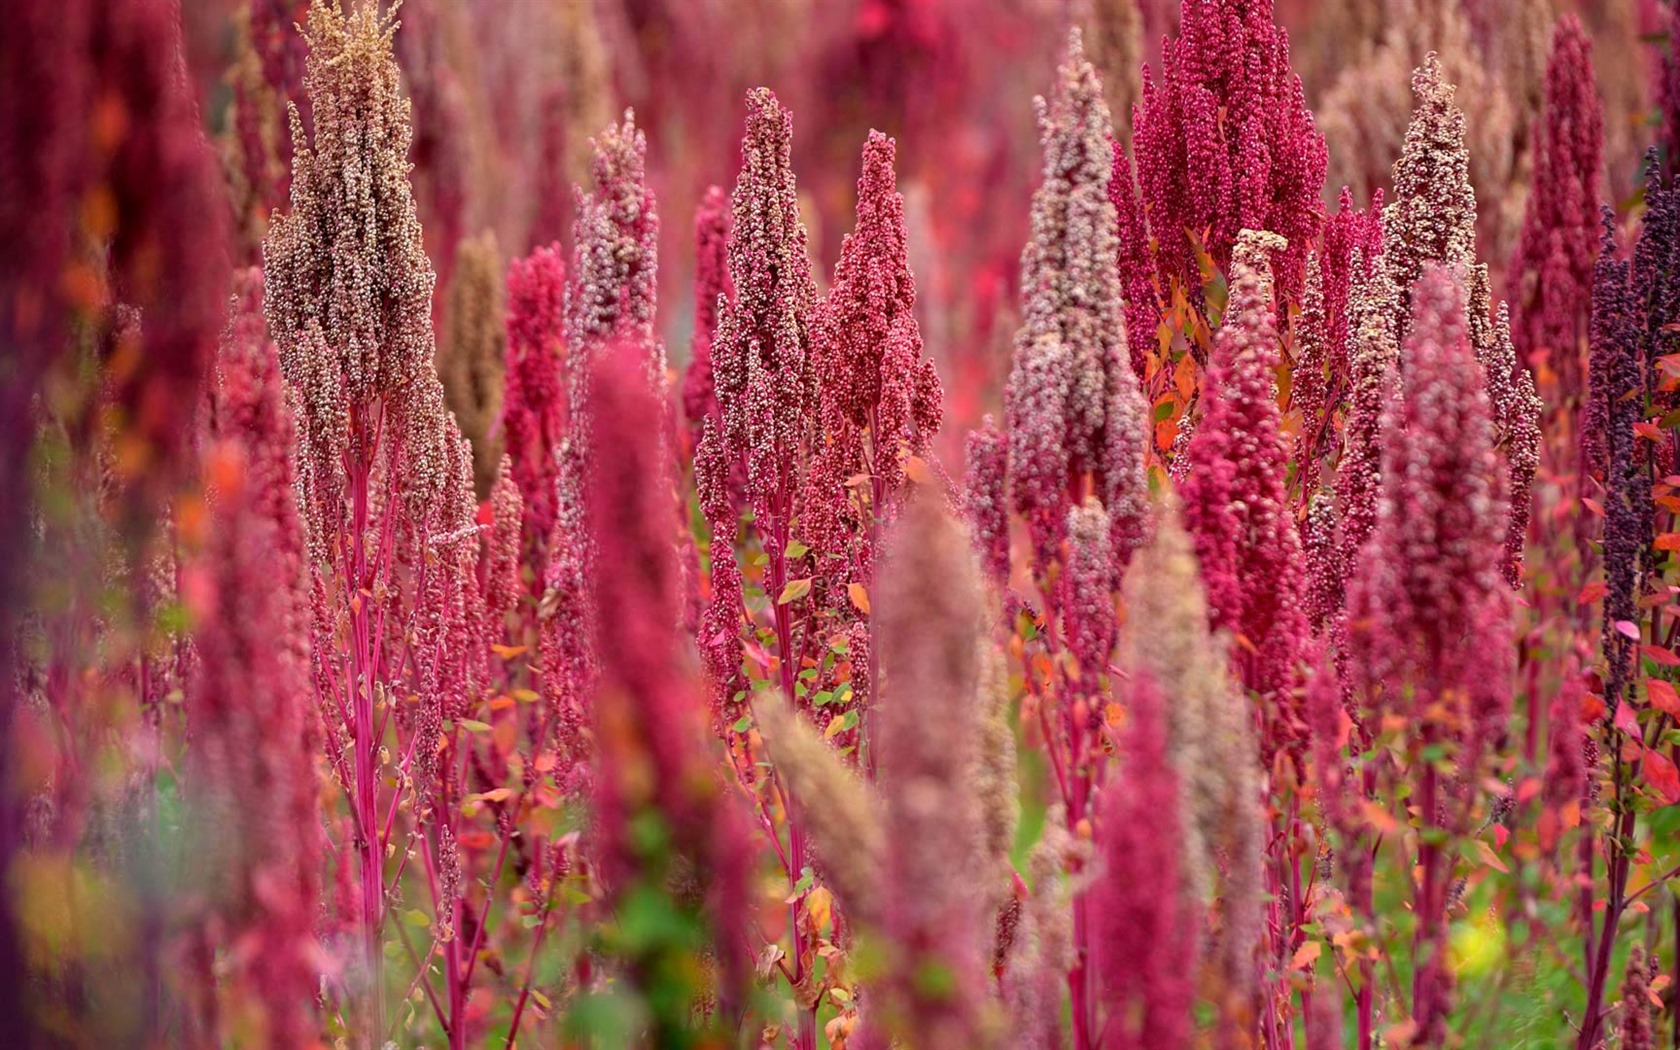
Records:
x=1073, y=402
x=1235, y=501
x=251, y=768
x=615, y=263
x=1135, y=262
x=712, y=224
x=649, y=711
x=1551, y=273
x=111, y=195
x=567, y=621
x=1516, y=412
x=502, y=552
x=1224, y=142
x=1211, y=746
x=1427, y=607
x=1373, y=381
x=762, y=367
x=1433, y=215
x=533, y=399
x=1320, y=376
x=985, y=500
x=929, y=614
x=1426, y=593
x=1088, y=598
x=878, y=397
x=1638, y=1027
x=1145, y=935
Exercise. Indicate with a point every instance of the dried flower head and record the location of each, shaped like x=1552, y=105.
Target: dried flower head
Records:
x=470, y=360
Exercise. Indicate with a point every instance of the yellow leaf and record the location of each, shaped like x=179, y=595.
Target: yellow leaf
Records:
x=860, y=597
x=507, y=652
x=818, y=903
x=794, y=590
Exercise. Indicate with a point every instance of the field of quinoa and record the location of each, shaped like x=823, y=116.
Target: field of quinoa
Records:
x=840, y=524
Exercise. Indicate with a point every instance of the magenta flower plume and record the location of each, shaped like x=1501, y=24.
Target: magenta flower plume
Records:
x=1225, y=142
x=1136, y=265
x=1146, y=934
x=1373, y=379
x=1320, y=377
x=1426, y=588
x=985, y=500
x=1516, y=413
x=762, y=365
x=1235, y=502
x=878, y=397
x=112, y=196
x=1429, y=617
x=1073, y=402
x=615, y=239
x=712, y=285
x=1088, y=596
x=929, y=610
x=534, y=397
x=1553, y=267
x=649, y=712
x=1638, y=1027
x=251, y=767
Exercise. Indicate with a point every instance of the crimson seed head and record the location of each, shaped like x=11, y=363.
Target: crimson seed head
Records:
x=251, y=766
x=1145, y=936
x=984, y=499
x=712, y=286
x=1224, y=142
x=533, y=400
x=1235, y=500
x=1427, y=601
x=761, y=361
x=1552, y=270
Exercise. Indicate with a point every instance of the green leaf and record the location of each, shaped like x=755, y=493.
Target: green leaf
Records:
x=417, y=918
x=795, y=549
x=473, y=725
x=743, y=723
x=794, y=590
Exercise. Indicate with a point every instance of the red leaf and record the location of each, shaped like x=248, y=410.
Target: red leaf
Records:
x=1626, y=720
x=1593, y=505
x=1660, y=773
x=1592, y=592
x=1660, y=656
x=1663, y=697
x=1668, y=541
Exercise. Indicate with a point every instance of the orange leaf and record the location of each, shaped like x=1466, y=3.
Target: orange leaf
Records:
x=860, y=597
x=1668, y=541
x=1490, y=858
x=1306, y=955
x=1592, y=592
